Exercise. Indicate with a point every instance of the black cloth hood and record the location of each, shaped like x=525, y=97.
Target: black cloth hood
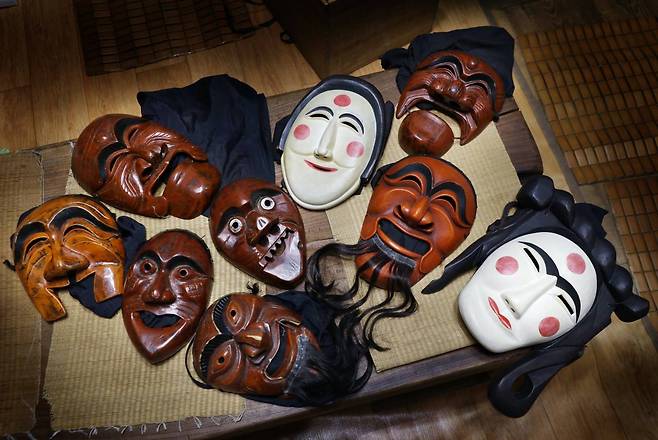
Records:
x=493, y=44
x=224, y=117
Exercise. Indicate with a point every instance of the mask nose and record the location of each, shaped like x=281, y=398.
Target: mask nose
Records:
x=255, y=339
x=416, y=212
x=62, y=262
x=326, y=145
x=519, y=298
x=160, y=292
x=259, y=227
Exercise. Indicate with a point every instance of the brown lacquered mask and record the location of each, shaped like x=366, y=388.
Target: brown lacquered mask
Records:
x=458, y=84
x=167, y=291
x=63, y=241
x=144, y=168
x=257, y=227
x=421, y=210
x=250, y=345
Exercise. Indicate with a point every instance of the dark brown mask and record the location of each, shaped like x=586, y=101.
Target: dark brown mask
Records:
x=250, y=345
x=144, y=168
x=458, y=84
x=420, y=211
x=257, y=227
x=167, y=291
x=63, y=241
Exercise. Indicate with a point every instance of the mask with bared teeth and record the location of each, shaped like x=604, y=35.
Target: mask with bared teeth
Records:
x=166, y=292
x=258, y=228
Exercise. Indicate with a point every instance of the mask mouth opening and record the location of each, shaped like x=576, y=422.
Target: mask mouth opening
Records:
x=277, y=360
x=402, y=239
x=159, y=182
x=152, y=320
x=278, y=246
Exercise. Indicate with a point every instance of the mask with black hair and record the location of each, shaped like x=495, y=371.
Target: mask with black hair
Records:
x=546, y=277
x=285, y=349
x=421, y=210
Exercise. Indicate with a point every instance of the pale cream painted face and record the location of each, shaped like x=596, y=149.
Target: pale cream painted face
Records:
x=530, y=290
x=327, y=149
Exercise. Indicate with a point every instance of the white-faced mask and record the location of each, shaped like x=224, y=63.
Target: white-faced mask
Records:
x=332, y=142
x=528, y=291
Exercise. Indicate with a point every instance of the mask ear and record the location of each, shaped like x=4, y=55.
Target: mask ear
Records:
x=516, y=389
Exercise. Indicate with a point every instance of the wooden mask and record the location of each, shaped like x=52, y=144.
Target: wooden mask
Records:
x=167, y=291
x=458, y=84
x=250, y=345
x=257, y=227
x=64, y=241
x=144, y=168
x=420, y=211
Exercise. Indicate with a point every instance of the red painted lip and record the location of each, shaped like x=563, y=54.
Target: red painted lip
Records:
x=502, y=318
x=319, y=167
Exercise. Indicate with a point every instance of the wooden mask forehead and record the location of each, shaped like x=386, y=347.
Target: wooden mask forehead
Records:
x=179, y=246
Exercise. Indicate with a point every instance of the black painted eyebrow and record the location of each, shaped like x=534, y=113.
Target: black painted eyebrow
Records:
x=231, y=212
x=355, y=119
x=75, y=211
x=322, y=107
x=265, y=192
x=218, y=315
x=105, y=154
x=461, y=197
x=22, y=236
x=562, y=283
x=182, y=260
x=152, y=255
x=416, y=167
x=532, y=257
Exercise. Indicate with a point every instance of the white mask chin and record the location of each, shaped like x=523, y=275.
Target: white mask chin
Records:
x=511, y=301
x=327, y=149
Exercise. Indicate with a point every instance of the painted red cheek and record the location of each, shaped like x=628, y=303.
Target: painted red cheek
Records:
x=301, y=132
x=549, y=326
x=342, y=100
x=575, y=263
x=355, y=149
x=507, y=265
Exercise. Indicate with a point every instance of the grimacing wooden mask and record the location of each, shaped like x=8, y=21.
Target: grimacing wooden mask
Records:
x=258, y=228
x=457, y=84
x=167, y=290
x=144, y=168
x=421, y=209
x=64, y=241
x=251, y=345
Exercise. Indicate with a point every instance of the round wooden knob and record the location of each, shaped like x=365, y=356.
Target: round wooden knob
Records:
x=423, y=132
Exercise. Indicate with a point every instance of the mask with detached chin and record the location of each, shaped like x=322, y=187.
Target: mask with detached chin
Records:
x=167, y=291
x=333, y=140
x=258, y=228
x=144, y=168
x=545, y=277
x=64, y=241
x=457, y=84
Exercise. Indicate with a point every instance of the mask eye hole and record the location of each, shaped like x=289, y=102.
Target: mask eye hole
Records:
x=33, y=244
x=235, y=225
x=267, y=203
x=148, y=267
x=450, y=201
x=413, y=179
x=233, y=313
x=221, y=360
x=566, y=304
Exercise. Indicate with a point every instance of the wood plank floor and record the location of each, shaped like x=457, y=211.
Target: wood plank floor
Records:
x=612, y=392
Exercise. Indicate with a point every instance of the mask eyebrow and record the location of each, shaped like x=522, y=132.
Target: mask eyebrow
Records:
x=231, y=212
x=461, y=197
x=74, y=211
x=182, y=260
x=218, y=315
x=321, y=108
x=418, y=168
x=150, y=254
x=562, y=283
x=355, y=119
x=23, y=234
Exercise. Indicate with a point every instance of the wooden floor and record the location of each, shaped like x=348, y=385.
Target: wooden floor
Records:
x=612, y=392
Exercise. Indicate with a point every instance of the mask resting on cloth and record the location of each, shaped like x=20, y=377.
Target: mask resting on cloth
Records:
x=63, y=241
x=333, y=140
x=458, y=84
x=546, y=277
x=258, y=228
x=167, y=291
x=283, y=349
x=421, y=209
x=144, y=168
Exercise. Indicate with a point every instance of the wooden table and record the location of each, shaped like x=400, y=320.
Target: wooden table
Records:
x=463, y=362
